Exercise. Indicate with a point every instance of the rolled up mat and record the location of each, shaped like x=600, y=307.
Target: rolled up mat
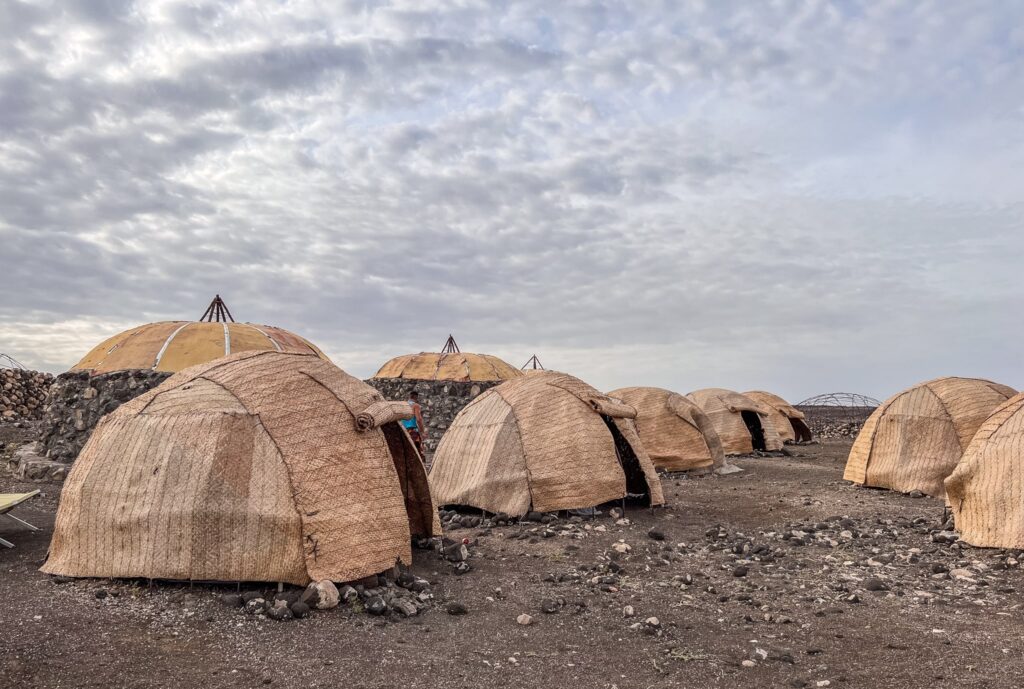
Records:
x=380, y=413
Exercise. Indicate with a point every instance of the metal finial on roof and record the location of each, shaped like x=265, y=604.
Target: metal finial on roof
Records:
x=217, y=312
x=450, y=347
x=533, y=363
x=8, y=361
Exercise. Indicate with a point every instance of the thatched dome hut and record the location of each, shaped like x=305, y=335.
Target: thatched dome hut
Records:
x=172, y=346
x=743, y=425
x=445, y=381
x=542, y=442
x=676, y=433
x=986, y=489
x=262, y=466
x=788, y=420
x=130, y=363
x=915, y=439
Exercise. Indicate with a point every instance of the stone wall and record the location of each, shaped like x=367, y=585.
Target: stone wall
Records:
x=835, y=422
x=441, y=401
x=77, y=401
x=22, y=394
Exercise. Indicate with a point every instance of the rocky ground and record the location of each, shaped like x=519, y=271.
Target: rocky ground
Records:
x=780, y=576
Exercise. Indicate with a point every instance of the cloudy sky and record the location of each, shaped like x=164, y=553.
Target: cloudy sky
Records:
x=802, y=196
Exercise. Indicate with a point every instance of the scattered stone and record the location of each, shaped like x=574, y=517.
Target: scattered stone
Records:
x=549, y=606
x=322, y=595
x=279, y=611
x=524, y=619
x=656, y=535
x=405, y=607
x=628, y=611
x=232, y=600
x=375, y=605
x=875, y=584
x=740, y=571
x=455, y=608
x=299, y=610
x=255, y=606
x=456, y=553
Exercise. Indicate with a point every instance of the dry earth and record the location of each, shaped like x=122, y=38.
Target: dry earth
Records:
x=803, y=614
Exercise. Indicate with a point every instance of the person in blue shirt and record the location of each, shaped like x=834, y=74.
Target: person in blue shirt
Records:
x=415, y=426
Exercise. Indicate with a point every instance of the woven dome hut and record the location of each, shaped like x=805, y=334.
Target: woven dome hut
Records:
x=915, y=439
x=544, y=442
x=985, y=489
x=788, y=420
x=743, y=425
x=262, y=466
x=130, y=363
x=172, y=346
x=450, y=364
x=445, y=381
x=676, y=433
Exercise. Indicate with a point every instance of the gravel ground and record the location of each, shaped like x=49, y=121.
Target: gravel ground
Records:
x=781, y=576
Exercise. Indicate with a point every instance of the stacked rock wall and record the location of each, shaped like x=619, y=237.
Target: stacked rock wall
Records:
x=78, y=400
x=441, y=402
x=22, y=394
x=835, y=422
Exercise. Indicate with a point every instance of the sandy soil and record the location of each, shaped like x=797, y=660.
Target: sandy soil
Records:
x=802, y=615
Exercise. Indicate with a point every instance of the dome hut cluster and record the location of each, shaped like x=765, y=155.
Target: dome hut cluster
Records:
x=272, y=464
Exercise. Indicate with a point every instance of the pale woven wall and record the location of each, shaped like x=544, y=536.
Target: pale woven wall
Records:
x=669, y=431
x=724, y=408
x=916, y=438
x=986, y=489
x=546, y=426
x=249, y=468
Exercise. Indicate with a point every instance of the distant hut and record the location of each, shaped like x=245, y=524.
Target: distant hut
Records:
x=675, y=431
x=446, y=381
x=743, y=425
x=917, y=437
x=542, y=442
x=263, y=466
x=788, y=420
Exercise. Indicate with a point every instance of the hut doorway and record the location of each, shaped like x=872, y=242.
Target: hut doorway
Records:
x=753, y=422
x=636, y=482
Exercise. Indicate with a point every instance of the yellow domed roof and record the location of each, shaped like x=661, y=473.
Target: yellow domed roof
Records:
x=449, y=364
x=175, y=345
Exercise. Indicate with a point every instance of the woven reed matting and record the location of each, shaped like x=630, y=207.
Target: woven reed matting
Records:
x=916, y=438
x=536, y=440
x=190, y=496
x=480, y=462
x=570, y=453
x=986, y=489
x=343, y=511
x=723, y=408
x=379, y=413
x=668, y=430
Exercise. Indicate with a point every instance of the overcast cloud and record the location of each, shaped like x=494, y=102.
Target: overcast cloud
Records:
x=801, y=196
